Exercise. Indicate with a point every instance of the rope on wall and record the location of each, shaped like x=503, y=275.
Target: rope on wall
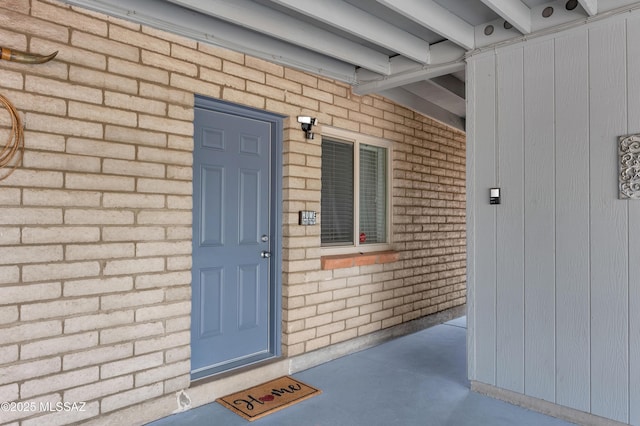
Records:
x=14, y=144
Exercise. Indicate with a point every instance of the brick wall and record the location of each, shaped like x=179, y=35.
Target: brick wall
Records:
x=95, y=227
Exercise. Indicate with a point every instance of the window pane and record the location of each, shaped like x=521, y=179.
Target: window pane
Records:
x=373, y=194
x=337, y=193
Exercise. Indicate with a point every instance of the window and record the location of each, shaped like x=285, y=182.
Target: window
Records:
x=355, y=192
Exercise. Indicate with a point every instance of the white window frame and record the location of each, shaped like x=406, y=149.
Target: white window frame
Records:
x=356, y=139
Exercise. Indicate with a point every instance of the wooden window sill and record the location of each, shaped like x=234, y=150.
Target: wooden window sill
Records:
x=358, y=259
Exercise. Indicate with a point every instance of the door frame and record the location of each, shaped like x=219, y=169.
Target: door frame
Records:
x=275, y=226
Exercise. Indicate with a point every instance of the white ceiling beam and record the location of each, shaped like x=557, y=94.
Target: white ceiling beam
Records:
x=283, y=27
x=187, y=23
x=591, y=6
x=435, y=17
x=446, y=56
x=353, y=20
x=403, y=78
x=451, y=84
x=423, y=106
x=513, y=11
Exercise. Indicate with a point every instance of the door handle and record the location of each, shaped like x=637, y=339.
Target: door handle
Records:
x=265, y=254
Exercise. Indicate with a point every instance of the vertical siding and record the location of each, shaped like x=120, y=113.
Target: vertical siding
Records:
x=609, y=267
x=562, y=248
x=633, y=78
x=485, y=217
x=572, y=221
x=539, y=238
x=510, y=223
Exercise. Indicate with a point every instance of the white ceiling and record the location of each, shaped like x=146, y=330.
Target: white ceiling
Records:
x=410, y=51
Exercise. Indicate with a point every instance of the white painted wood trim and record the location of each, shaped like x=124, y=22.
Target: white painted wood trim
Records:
x=542, y=406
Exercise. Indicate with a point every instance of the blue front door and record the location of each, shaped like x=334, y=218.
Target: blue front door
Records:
x=235, y=239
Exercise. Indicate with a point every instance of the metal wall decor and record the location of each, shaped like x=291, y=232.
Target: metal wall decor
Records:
x=629, y=153
x=24, y=57
x=11, y=153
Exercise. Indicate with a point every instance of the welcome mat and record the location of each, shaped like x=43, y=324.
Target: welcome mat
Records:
x=267, y=398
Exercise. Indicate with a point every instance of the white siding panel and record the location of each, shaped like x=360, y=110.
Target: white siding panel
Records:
x=633, y=54
x=609, y=221
x=544, y=122
x=572, y=221
x=471, y=222
x=539, y=228
x=485, y=235
x=510, y=223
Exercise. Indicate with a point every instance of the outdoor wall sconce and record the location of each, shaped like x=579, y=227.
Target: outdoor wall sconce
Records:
x=307, y=124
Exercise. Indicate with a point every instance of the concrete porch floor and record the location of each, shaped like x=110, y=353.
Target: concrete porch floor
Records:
x=418, y=379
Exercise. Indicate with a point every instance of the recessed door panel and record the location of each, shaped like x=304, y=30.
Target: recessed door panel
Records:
x=213, y=206
x=249, y=286
x=250, y=209
x=211, y=299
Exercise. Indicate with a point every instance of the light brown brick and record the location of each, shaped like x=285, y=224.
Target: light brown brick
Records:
x=8, y=354
x=58, y=345
x=97, y=321
x=99, y=251
x=168, y=63
x=130, y=365
x=164, y=311
x=102, y=217
x=139, y=39
x=135, y=103
x=178, y=324
x=63, y=90
x=98, y=78
x=148, y=217
x=102, y=114
x=48, y=197
x=59, y=381
x=131, y=397
x=178, y=354
x=34, y=179
x=81, y=22
x=164, y=186
x=9, y=274
x=133, y=266
x=102, y=45
x=160, y=248
x=133, y=201
x=100, y=389
x=179, y=263
x=134, y=136
x=60, y=271
x=28, y=370
x=30, y=254
x=165, y=125
x=97, y=356
x=58, y=308
x=164, y=372
x=99, y=182
x=179, y=202
x=177, y=96
x=163, y=280
x=9, y=392
x=8, y=314
x=141, y=298
x=132, y=233
x=26, y=216
x=132, y=332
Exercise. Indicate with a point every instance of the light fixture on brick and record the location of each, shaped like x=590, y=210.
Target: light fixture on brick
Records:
x=307, y=124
